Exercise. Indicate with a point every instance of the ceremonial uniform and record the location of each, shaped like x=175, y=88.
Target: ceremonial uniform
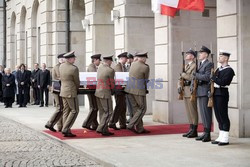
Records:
x=222, y=79
x=203, y=77
x=91, y=120
x=119, y=113
x=56, y=118
x=137, y=90
x=104, y=90
x=69, y=75
x=191, y=106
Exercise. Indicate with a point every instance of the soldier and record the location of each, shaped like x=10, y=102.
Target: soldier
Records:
x=119, y=113
x=191, y=106
x=91, y=122
x=104, y=90
x=203, y=77
x=129, y=105
x=69, y=75
x=57, y=116
x=222, y=79
x=137, y=89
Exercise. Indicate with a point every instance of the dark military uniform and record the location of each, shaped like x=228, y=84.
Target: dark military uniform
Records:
x=222, y=78
x=57, y=115
x=69, y=75
x=137, y=90
x=91, y=121
x=203, y=77
x=119, y=113
x=104, y=90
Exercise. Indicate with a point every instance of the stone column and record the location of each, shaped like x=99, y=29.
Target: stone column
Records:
x=233, y=35
x=134, y=32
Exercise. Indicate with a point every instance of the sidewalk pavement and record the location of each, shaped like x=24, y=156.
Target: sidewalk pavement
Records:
x=142, y=151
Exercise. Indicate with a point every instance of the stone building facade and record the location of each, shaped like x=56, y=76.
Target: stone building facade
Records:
x=37, y=32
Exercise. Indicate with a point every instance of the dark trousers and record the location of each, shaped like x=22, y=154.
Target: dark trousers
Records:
x=46, y=92
x=36, y=95
x=23, y=95
x=8, y=101
x=119, y=113
x=221, y=112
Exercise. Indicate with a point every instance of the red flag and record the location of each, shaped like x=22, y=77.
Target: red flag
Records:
x=197, y=5
x=169, y=11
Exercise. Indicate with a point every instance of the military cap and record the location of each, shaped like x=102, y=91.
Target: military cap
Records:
x=60, y=55
x=205, y=49
x=130, y=56
x=108, y=57
x=191, y=51
x=124, y=54
x=69, y=55
x=224, y=53
x=142, y=55
x=96, y=56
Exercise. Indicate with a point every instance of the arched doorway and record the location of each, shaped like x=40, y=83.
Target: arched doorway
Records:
x=13, y=47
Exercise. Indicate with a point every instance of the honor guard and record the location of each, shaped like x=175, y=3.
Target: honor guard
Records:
x=119, y=113
x=191, y=106
x=203, y=77
x=137, y=90
x=57, y=115
x=91, y=122
x=69, y=75
x=222, y=79
x=104, y=90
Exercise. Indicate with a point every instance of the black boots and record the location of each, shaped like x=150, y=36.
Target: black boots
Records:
x=193, y=133
x=190, y=130
x=205, y=137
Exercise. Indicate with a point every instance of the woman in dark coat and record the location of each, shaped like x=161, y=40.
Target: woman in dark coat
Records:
x=8, y=84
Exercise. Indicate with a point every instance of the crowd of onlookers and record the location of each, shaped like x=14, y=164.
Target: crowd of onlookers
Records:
x=16, y=85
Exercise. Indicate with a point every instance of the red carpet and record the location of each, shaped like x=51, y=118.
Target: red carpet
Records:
x=155, y=130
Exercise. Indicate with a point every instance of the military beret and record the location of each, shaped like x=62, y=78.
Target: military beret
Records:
x=142, y=55
x=108, y=57
x=130, y=56
x=60, y=55
x=124, y=54
x=190, y=51
x=224, y=53
x=69, y=55
x=96, y=56
x=205, y=49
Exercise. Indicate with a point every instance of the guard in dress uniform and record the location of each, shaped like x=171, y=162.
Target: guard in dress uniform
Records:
x=191, y=106
x=203, y=77
x=91, y=122
x=69, y=75
x=56, y=118
x=137, y=90
x=222, y=79
x=104, y=91
x=119, y=113
x=128, y=103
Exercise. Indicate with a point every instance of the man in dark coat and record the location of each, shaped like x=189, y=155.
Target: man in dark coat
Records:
x=23, y=80
x=43, y=82
x=8, y=84
x=36, y=91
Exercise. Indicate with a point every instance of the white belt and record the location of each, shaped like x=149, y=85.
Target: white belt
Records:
x=218, y=86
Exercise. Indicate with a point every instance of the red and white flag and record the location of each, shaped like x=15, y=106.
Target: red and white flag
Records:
x=170, y=7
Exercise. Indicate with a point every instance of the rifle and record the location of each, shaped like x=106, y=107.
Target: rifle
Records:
x=181, y=80
x=211, y=92
x=195, y=82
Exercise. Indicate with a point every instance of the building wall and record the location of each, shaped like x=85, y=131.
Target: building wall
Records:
x=1, y=33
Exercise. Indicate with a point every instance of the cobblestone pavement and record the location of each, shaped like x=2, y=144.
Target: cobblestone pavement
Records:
x=23, y=147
